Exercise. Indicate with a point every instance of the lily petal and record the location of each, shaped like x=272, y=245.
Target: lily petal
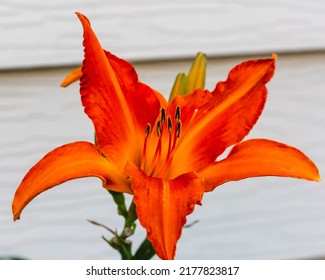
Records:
x=72, y=77
x=226, y=118
x=260, y=157
x=104, y=99
x=143, y=102
x=162, y=206
x=111, y=94
x=71, y=161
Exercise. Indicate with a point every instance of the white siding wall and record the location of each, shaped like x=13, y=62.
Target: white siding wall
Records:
x=264, y=218
x=261, y=218
x=43, y=33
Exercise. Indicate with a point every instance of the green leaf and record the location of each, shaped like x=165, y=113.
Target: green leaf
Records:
x=145, y=251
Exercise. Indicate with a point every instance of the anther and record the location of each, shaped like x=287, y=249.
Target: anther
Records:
x=169, y=124
x=158, y=128
x=178, y=113
x=178, y=129
x=163, y=115
x=148, y=129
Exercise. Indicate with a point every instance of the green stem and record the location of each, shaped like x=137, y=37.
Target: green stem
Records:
x=120, y=242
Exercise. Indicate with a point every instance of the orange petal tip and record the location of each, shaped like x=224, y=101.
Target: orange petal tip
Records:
x=72, y=77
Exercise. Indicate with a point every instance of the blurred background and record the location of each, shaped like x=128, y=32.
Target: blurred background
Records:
x=259, y=218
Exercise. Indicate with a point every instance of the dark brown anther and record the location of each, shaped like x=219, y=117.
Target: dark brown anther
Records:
x=158, y=128
x=148, y=129
x=178, y=129
x=163, y=116
x=169, y=124
x=178, y=113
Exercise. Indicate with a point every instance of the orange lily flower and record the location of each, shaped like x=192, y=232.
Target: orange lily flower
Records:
x=165, y=154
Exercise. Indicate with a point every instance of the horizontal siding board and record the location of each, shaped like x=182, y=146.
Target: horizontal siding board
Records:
x=46, y=33
x=260, y=218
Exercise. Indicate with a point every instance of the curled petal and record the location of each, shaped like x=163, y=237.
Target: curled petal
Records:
x=162, y=206
x=71, y=161
x=72, y=77
x=260, y=157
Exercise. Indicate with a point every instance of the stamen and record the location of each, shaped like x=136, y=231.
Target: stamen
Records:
x=156, y=158
x=163, y=115
x=178, y=129
x=162, y=157
x=177, y=140
x=178, y=113
x=169, y=124
x=144, y=150
x=158, y=128
x=163, y=170
x=148, y=129
x=170, y=127
x=189, y=124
